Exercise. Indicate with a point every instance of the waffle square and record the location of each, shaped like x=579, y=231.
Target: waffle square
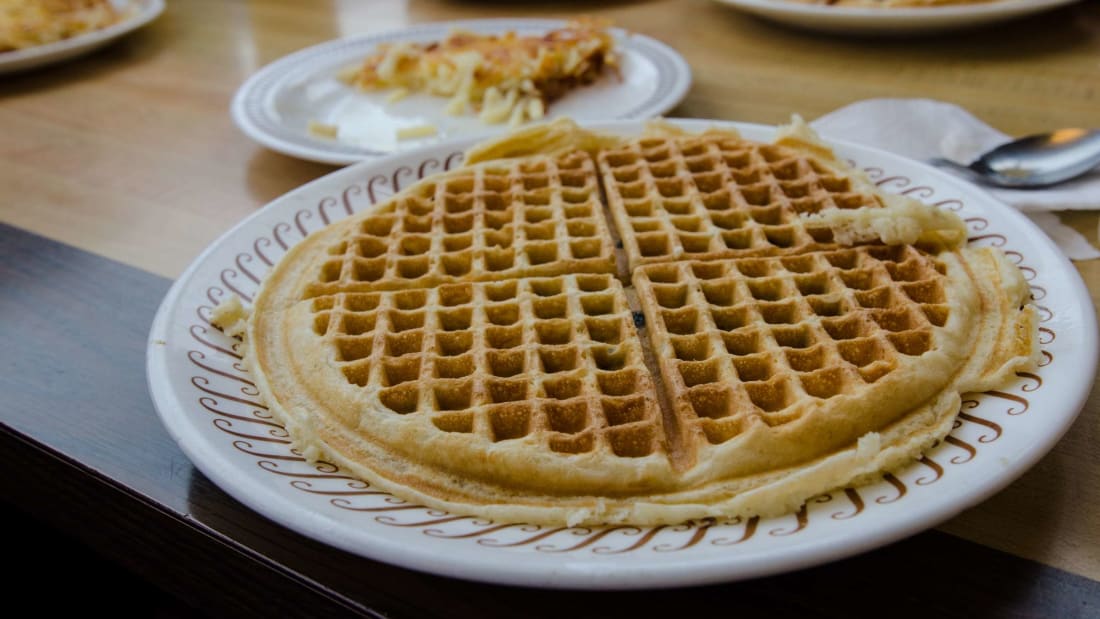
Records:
x=556, y=360
x=520, y=218
x=714, y=196
x=755, y=339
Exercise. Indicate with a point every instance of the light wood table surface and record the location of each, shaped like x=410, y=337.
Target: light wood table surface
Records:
x=131, y=154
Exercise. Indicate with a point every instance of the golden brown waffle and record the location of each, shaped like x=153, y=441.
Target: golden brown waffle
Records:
x=520, y=218
x=714, y=196
x=532, y=387
x=676, y=196
x=395, y=345
x=773, y=340
x=553, y=359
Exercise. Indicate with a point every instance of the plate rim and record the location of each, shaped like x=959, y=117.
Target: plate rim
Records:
x=248, y=93
x=64, y=49
x=871, y=20
x=671, y=573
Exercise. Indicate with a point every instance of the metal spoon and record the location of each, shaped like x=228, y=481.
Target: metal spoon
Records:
x=1034, y=161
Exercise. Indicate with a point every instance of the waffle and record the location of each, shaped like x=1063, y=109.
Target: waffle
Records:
x=730, y=381
x=503, y=219
x=504, y=382
x=781, y=347
x=715, y=195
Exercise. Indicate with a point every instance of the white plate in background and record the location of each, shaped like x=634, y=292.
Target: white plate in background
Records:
x=276, y=105
x=892, y=20
x=144, y=11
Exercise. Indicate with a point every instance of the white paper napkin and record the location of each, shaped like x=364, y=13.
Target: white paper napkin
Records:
x=922, y=129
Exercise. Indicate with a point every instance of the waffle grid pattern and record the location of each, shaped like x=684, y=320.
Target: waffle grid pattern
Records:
x=557, y=359
x=709, y=197
x=536, y=217
x=753, y=337
x=485, y=298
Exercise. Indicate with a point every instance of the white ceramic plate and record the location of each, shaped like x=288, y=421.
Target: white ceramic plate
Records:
x=144, y=11
x=891, y=21
x=210, y=406
x=276, y=105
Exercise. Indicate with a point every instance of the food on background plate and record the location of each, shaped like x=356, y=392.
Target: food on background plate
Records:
x=322, y=130
x=502, y=77
x=29, y=23
x=773, y=328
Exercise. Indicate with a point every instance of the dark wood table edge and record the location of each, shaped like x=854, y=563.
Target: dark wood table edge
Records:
x=161, y=537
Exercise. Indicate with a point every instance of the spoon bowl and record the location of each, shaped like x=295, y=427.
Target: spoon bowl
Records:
x=1034, y=161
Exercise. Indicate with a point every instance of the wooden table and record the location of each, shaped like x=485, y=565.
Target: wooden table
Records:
x=119, y=168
